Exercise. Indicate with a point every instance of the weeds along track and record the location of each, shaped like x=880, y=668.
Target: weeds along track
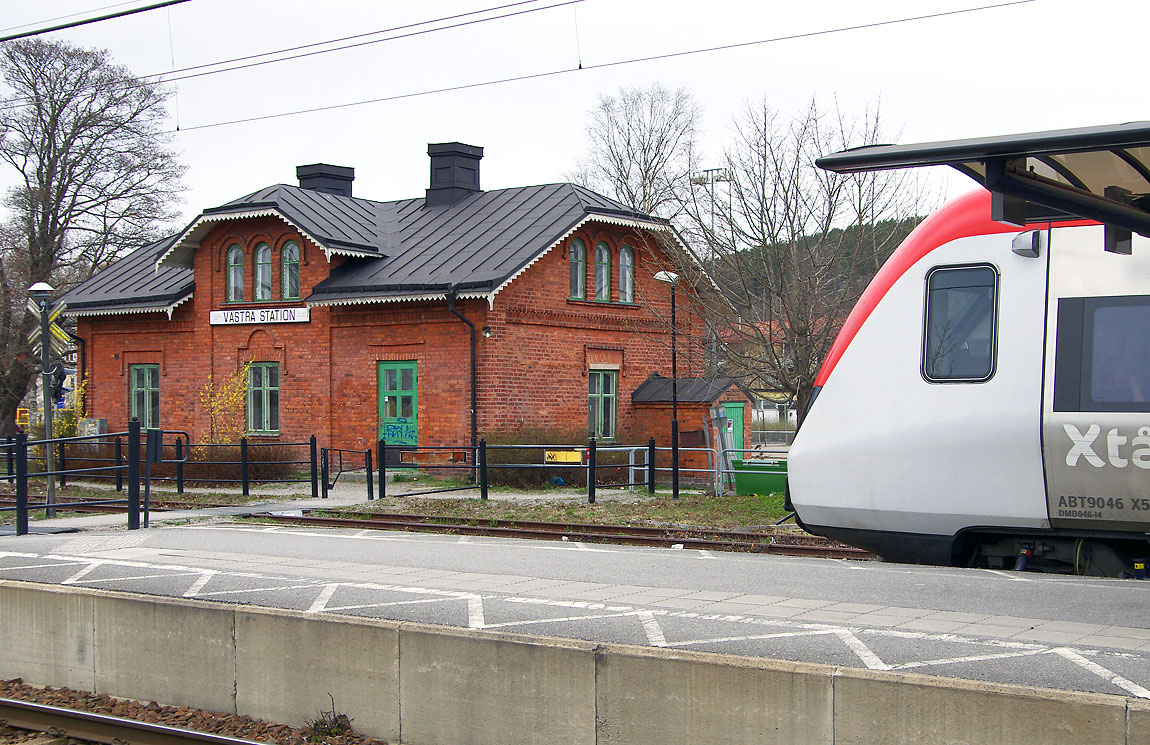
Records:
x=783, y=542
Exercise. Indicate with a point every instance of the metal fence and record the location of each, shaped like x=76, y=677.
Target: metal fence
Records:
x=579, y=462
x=119, y=455
x=183, y=458
x=17, y=452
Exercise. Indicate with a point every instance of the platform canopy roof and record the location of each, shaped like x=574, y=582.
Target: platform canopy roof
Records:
x=1098, y=173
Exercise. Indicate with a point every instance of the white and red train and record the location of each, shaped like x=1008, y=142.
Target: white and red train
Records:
x=987, y=399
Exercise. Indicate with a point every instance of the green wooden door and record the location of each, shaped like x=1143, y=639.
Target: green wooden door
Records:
x=735, y=417
x=398, y=404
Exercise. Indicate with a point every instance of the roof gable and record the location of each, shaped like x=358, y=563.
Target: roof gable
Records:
x=400, y=250
x=133, y=284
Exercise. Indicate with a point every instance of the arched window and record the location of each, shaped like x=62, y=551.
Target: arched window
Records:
x=602, y=273
x=578, y=254
x=626, y=275
x=263, y=272
x=290, y=271
x=235, y=274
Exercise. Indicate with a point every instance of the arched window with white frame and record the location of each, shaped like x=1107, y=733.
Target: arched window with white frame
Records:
x=263, y=284
x=235, y=275
x=626, y=275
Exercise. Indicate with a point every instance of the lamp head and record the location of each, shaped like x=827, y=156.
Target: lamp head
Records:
x=667, y=277
x=41, y=290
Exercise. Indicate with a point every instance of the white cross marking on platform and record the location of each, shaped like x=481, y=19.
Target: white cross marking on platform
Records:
x=82, y=573
x=1132, y=688
x=475, y=612
x=652, y=628
x=198, y=585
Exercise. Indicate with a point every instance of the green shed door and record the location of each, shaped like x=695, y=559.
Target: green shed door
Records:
x=735, y=417
x=398, y=404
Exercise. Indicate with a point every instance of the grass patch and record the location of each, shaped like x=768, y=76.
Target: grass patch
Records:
x=694, y=509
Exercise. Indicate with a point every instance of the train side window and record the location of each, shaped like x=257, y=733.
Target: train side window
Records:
x=961, y=326
x=1102, y=355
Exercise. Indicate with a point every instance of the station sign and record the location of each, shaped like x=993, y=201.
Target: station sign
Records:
x=240, y=316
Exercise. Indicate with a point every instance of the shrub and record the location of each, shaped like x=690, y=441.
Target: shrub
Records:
x=533, y=478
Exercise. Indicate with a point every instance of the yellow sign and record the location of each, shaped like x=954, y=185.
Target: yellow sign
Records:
x=562, y=456
x=21, y=417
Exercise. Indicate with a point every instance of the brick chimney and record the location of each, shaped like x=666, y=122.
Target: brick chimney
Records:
x=326, y=178
x=454, y=172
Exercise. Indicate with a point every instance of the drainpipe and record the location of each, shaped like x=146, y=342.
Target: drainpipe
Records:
x=471, y=329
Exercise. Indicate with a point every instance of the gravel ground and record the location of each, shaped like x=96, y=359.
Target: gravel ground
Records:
x=228, y=725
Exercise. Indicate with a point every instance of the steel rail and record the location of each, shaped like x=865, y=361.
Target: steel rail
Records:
x=578, y=528
x=745, y=543
x=85, y=725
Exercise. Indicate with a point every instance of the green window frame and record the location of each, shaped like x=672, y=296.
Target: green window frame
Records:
x=626, y=275
x=602, y=273
x=289, y=274
x=263, y=273
x=144, y=394
x=264, y=398
x=578, y=260
x=602, y=403
x=235, y=276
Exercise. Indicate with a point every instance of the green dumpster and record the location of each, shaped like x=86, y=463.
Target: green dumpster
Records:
x=759, y=476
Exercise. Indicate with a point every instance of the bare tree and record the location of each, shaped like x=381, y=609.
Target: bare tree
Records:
x=96, y=179
x=641, y=144
x=784, y=249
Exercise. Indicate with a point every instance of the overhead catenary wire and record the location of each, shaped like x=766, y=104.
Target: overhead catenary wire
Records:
x=86, y=21
x=66, y=15
x=616, y=63
x=173, y=75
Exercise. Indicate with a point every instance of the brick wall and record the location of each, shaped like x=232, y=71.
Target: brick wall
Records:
x=532, y=371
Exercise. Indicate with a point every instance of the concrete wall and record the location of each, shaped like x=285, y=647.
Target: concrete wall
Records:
x=429, y=685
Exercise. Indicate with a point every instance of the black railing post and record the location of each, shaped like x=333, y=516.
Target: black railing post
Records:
x=370, y=482
x=133, y=473
x=119, y=464
x=382, y=469
x=10, y=450
x=591, y=472
x=314, y=468
x=483, y=469
x=651, y=466
x=21, y=483
x=63, y=466
x=323, y=466
x=180, y=464
x=244, y=463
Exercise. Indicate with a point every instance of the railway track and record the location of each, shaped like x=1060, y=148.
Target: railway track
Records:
x=100, y=728
x=781, y=542
x=74, y=504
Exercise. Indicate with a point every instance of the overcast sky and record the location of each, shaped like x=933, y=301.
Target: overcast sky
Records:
x=1045, y=64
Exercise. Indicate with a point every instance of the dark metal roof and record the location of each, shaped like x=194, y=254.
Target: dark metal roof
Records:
x=394, y=250
x=657, y=389
x=132, y=285
x=473, y=245
x=1099, y=173
x=340, y=224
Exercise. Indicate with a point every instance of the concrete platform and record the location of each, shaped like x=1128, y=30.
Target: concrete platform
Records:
x=421, y=684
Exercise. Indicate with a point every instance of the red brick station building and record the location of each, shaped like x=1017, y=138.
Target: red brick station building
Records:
x=535, y=308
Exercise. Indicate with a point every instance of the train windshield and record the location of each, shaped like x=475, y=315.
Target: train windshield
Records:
x=959, y=344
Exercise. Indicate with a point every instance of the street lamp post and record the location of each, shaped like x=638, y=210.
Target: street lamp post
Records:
x=672, y=279
x=41, y=294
